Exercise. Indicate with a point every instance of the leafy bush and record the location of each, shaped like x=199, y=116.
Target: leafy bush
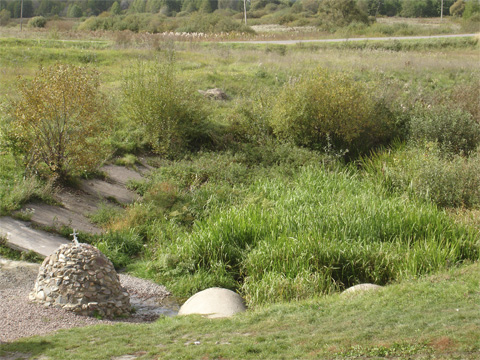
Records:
x=453, y=129
x=338, y=13
x=4, y=17
x=466, y=96
x=472, y=8
x=60, y=122
x=457, y=8
x=74, y=11
x=211, y=23
x=327, y=109
x=168, y=111
x=37, y=22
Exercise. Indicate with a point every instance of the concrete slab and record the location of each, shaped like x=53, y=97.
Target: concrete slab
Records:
x=21, y=236
x=55, y=217
x=122, y=175
x=107, y=190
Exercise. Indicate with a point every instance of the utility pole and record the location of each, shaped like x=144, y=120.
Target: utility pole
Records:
x=441, y=11
x=21, y=16
x=245, y=10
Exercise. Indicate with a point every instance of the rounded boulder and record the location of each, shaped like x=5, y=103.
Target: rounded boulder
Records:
x=362, y=288
x=214, y=303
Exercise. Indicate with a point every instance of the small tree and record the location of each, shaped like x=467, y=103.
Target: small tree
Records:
x=337, y=13
x=74, y=11
x=4, y=17
x=457, y=8
x=60, y=121
x=471, y=8
x=115, y=9
x=165, y=109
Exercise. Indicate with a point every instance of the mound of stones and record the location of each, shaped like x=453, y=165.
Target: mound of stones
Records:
x=214, y=303
x=79, y=278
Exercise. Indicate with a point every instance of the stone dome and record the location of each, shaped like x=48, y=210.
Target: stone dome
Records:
x=362, y=288
x=78, y=277
x=214, y=303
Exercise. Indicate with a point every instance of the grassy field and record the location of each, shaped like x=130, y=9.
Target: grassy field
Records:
x=434, y=317
x=238, y=201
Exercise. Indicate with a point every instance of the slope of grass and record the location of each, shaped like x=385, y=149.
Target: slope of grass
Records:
x=435, y=317
x=319, y=230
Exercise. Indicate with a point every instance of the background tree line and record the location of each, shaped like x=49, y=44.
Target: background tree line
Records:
x=405, y=8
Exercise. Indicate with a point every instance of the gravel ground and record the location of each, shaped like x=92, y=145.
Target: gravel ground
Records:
x=20, y=318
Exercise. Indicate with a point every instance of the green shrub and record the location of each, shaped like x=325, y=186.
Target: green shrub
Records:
x=472, y=8
x=466, y=96
x=37, y=22
x=339, y=13
x=211, y=23
x=166, y=109
x=74, y=11
x=60, y=122
x=326, y=109
x=5, y=16
x=457, y=8
x=454, y=130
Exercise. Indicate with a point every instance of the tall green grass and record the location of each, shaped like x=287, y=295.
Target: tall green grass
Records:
x=310, y=234
x=15, y=188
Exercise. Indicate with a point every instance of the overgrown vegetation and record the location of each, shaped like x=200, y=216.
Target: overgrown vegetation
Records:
x=324, y=109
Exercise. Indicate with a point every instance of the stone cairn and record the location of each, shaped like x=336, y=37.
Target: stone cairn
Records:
x=79, y=278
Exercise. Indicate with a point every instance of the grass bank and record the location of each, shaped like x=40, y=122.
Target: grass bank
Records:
x=435, y=317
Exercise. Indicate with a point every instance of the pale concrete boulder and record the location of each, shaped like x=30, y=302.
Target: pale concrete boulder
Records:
x=214, y=303
x=362, y=288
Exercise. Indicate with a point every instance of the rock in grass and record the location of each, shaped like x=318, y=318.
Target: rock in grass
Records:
x=214, y=303
x=215, y=94
x=362, y=288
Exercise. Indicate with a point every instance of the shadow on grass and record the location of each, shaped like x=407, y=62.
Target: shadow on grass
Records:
x=23, y=349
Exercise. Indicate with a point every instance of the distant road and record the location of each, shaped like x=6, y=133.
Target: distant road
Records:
x=290, y=42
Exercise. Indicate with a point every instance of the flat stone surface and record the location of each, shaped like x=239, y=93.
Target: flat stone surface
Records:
x=56, y=217
x=122, y=175
x=214, y=303
x=22, y=237
x=107, y=190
